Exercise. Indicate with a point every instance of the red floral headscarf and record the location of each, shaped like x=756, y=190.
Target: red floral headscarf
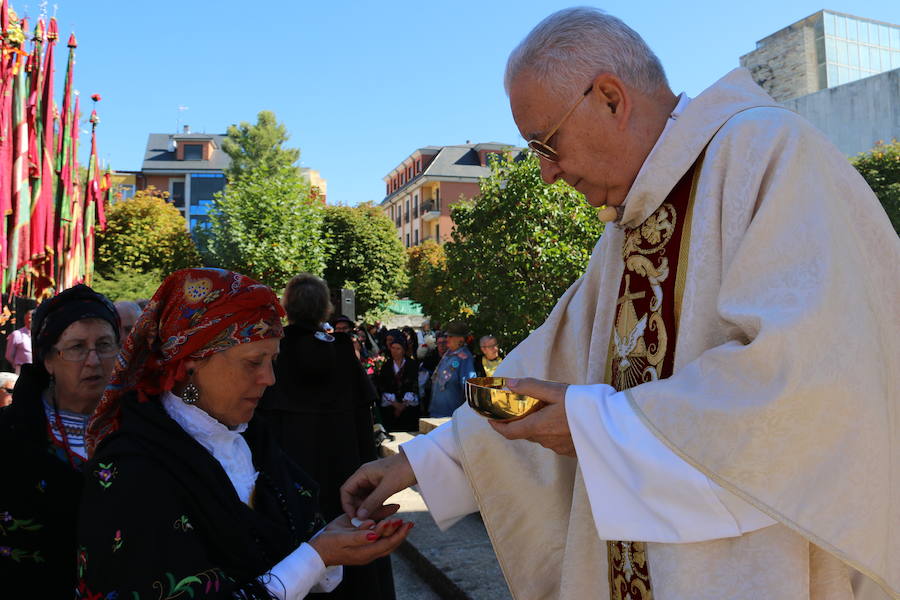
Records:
x=194, y=314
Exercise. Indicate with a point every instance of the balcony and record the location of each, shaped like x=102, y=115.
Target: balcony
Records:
x=430, y=211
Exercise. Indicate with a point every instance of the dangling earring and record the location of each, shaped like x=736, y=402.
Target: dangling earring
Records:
x=191, y=394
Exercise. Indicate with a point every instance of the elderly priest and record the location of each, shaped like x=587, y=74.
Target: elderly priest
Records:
x=730, y=427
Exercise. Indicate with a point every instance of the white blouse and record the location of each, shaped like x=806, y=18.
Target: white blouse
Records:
x=300, y=572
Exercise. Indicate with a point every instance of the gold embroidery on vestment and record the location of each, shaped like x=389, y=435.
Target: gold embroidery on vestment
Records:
x=641, y=342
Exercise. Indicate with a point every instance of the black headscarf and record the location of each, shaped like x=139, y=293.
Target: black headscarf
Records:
x=55, y=314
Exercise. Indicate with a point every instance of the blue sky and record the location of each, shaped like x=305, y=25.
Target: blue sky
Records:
x=360, y=85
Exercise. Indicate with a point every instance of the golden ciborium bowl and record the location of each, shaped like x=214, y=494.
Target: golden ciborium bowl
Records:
x=489, y=397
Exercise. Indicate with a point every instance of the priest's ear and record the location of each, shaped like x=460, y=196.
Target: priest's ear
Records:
x=610, y=91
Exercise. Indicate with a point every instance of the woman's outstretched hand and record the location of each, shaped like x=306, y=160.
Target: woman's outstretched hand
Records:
x=364, y=493
x=340, y=543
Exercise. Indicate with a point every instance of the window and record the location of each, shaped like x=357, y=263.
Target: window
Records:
x=193, y=152
x=126, y=192
x=853, y=55
x=416, y=237
x=176, y=193
x=842, y=53
x=840, y=29
x=851, y=30
x=437, y=232
x=204, y=187
x=419, y=162
x=874, y=59
x=407, y=240
x=437, y=198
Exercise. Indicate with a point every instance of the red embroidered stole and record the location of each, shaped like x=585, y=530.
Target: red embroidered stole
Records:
x=642, y=343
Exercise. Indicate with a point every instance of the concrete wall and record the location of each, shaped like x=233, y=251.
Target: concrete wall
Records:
x=855, y=115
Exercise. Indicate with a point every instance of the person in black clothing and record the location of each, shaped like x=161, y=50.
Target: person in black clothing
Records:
x=187, y=494
x=75, y=336
x=320, y=412
x=398, y=386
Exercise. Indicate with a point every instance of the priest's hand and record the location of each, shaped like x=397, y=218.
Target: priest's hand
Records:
x=364, y=493
x=549, y=426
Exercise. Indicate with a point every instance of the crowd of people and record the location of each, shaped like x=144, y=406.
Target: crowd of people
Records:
x=151, y=453
x=419, y=373
x=212, y=450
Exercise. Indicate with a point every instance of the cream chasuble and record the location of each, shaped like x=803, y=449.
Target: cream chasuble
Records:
x=783, y=350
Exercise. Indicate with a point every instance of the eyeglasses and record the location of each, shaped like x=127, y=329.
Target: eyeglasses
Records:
x=7, y=390
x=541, y=148
x=80, y=353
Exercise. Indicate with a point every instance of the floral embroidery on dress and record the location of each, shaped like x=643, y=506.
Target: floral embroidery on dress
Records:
x=41, y=486
x=18, y=554
x=117, y=541
x=209, y=579
x=302, y=490
x=182, y=523
x=106, y=473
x=9, y=523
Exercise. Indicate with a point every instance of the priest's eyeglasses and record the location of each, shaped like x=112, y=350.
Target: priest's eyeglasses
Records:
x=541, y=147
x=79, y=353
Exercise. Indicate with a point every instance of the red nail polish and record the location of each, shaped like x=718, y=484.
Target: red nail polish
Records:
x=371, y=536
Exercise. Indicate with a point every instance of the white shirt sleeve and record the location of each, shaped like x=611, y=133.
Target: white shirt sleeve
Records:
x=301, y=572
x=638, y=488
x=434, y=458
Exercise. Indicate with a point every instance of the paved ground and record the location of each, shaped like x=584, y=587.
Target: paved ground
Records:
x=457, y=564
x=408, y=584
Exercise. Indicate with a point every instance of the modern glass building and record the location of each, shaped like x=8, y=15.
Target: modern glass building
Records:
x=824, y=50
x=850, y=48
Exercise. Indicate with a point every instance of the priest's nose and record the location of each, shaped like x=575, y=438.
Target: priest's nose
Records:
x=550, y=171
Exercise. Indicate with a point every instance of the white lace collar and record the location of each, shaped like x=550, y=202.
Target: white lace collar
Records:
x=226, y=445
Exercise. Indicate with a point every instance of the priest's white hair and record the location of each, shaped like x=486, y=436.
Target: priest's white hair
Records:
x=572, y=46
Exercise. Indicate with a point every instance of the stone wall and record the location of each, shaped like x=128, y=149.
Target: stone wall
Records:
x=856, y=115
x=785, y=63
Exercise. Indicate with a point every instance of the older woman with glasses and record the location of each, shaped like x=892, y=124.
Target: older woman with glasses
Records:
x=75, y=337
x=188, y=494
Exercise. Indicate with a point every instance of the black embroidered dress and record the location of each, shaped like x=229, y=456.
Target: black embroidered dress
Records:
x=39, y=497
x=161, y=519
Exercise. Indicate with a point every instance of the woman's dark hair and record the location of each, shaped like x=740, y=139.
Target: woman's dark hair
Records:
x=307, y=299
x=412, y=340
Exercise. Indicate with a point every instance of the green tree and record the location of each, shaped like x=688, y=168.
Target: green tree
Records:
x=128, y=285
x=429, y=280
x=253, y=147
x=144, y=234
x=364, y=254
x=516, y=248
x=264, y=225
x=880, y=167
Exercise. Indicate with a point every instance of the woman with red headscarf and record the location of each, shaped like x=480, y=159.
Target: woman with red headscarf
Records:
x=186, y=492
